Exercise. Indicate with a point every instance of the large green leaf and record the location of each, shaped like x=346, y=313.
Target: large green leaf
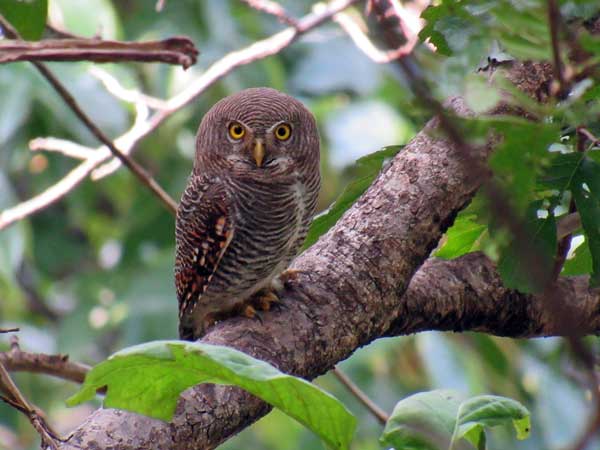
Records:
x=149, y=378
x=443, y=419
x=27, y=16
x=368, y=167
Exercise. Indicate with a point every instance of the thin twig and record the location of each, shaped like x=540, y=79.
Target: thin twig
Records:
x=567, y=224
x=67, y=148
x=272, y=8
x=15, y=398
x=9, y=330
x=361, y=40
x=132, y=165
x=113, y=86
x=588, y=135
x=176, y=50
x=16, y=360
x=145, y=125
x=379, y=413
x=559, y=74
x=590, y=431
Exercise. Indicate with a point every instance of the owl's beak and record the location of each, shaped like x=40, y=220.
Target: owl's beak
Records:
x=258, y=152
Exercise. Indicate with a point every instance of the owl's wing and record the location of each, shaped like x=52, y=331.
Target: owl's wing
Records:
x=204, y=230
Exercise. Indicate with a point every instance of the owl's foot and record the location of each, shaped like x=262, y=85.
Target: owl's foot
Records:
x=287, y=277
x=250, y=312
x=265, y=299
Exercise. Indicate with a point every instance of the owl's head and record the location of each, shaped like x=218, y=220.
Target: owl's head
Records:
x=257, y=130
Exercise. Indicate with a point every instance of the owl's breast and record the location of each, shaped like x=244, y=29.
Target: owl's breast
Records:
x=269, y=222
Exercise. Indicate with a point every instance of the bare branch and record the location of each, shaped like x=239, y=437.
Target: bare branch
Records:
x=467, y=294
x=176, y=50
x=411, y=25
x=16, y=360
x=132, y=165
x=273, y=8
x=67, y=148
x=16, y=399
x=144, y=126
x=568, y=224
x=559, y=83
x=379, y=413
x=113, y=86
x=9, y=330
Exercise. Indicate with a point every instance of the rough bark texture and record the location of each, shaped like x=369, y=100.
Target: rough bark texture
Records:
x=350, y=292
x=466, y=294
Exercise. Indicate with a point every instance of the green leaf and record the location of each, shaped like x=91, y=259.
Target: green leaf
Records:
x=27, y=16
x=514, y=270
x=437, y=420
x=368, y=168
x=462, y=237
x=560, y=171
x=579, y=172
x=149, y=378
x=491, y=410
x=586, y=193
x=480, y=95
x=518, y=160
x=423, y=421
x=522, y=31
x=431, y=15
x=580, y=263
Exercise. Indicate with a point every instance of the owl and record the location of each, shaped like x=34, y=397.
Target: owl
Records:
x=246, y=208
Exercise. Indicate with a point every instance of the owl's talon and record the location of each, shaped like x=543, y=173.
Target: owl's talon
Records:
x=264, y=299
x=287, y=277
x=249, y=312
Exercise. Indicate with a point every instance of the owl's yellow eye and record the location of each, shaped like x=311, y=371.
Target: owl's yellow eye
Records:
x=236, y=130
x=283, y=132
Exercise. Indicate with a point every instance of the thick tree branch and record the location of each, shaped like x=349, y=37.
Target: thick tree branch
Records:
x=349, y=292
x=346, y=295
x=467, y=294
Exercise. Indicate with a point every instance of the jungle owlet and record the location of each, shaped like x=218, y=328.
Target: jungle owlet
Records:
x=247, y=206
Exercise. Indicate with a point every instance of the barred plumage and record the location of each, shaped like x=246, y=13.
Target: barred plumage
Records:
x=248, y=204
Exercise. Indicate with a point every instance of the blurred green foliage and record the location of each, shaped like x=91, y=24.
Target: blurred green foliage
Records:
x=93, y=273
